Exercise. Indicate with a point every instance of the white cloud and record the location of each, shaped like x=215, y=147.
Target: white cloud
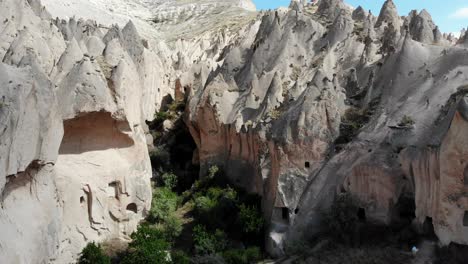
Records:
x=460, y=13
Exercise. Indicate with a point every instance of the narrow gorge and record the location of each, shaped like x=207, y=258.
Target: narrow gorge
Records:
x=298, y=106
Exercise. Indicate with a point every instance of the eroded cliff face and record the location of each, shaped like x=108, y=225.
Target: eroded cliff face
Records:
x=74, y=159
x=276, y=113
x=296, y=104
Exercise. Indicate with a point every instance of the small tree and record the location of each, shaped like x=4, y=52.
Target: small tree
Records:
x=169, y=180
x=406, y=121
x=93, y=254
x=149, y=245
x=165, y=202
x=250, y=219
x=207, y=243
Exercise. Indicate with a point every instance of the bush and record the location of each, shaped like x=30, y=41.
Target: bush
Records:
x=169, y=180
x=242, y=256
x=213, y=171
x=353, y=120
x=93, y=254
x=406, y=121
x=149, y=245
x=207, y=243
x=216, y=207
x=180, y=257
x=250, y=219
x=208, y=259
x=177, y=106
x=172, y=227
x=164, y=203
x=160, y=117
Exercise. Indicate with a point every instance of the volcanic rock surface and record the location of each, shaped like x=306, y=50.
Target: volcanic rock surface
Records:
x=297, y=104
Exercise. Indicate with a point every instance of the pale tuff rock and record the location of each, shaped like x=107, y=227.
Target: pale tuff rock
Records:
x=277, y=117
x=359, y=14
x=269, y=97
x=73, y=148
x=298, y=5
x=421, y=27
x=388, y=15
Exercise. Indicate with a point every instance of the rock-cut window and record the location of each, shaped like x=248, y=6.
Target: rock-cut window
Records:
x=132, y=207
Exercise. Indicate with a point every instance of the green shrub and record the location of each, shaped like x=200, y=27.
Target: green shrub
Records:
x=177, y=106
x=406, y=121
x=216, y=207
x=160, y=117
x=172, y=227
x=93, y=254
x=208, y=259
x=169, y=180
x=180, y=257
x=213, y=171
x=242, y=256
x=207, y=243
x=164, y=203
x=250, y=219
x=353, y=120
x=148, y=245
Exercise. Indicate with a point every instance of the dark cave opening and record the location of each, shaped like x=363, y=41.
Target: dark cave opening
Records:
x=132, y=207
x=405, y=209
x=362, y=215
x=428, y=228
x=285, y=214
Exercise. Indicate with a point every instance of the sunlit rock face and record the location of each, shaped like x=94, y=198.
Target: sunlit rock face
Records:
x=269, y=99
x=74, y=164
x=273, y=116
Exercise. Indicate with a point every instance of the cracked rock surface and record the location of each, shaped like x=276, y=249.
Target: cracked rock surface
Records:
x=296, y=104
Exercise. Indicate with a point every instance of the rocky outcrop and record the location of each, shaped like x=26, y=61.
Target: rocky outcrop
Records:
x=422, y=28
x=73, y=143
x=297, y=105
x=388, y=15
x=276, y=121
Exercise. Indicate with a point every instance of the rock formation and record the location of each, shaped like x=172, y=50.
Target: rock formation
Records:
x=74, y=165
x=295, y=104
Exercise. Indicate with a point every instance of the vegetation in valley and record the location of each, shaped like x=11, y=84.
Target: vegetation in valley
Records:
x=93, y=254
x=211, y=222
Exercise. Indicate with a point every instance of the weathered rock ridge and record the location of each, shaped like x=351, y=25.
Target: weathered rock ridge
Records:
x=276, y=114
x=297, y=105
x=74, y=164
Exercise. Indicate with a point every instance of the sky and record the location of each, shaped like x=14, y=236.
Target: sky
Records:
x=449, y=15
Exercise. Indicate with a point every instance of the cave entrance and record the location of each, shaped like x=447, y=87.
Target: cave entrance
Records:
x=405, y=210
x=428, y=227
x=362, y=215
x=465, y=219
x=285, y=214
x=132, y=207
